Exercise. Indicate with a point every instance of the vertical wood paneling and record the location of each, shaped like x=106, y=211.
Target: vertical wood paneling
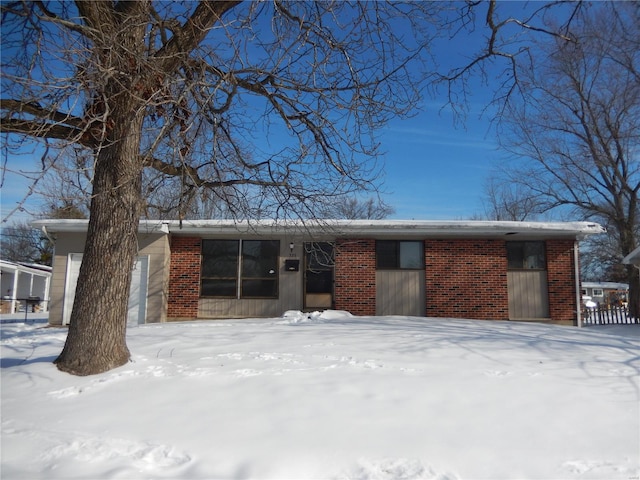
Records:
x=400, y=292
x=528, y=294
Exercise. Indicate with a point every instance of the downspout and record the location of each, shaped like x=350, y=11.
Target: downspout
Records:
x=576, y=263
x=46, y=234
x=14, y=293
x=47, y=287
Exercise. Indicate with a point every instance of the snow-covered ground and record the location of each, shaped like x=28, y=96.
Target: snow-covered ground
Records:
x=328, y=396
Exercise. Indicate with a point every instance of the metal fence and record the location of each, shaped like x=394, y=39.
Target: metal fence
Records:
x=607, y=315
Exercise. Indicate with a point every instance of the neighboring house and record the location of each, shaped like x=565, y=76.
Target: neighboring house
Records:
x=223, y=269
x=24, y=285
x=606, y=293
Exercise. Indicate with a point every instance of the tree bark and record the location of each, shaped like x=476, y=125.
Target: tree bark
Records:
x=97, y=332
x=96, y=340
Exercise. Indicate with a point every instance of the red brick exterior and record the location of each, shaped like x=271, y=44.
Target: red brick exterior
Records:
x=355, y=276
x=466, y=279
x=184, y=278
x=561, y=281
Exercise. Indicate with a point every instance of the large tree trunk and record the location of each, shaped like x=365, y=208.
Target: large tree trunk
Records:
x=96, y=340
x=97, y=332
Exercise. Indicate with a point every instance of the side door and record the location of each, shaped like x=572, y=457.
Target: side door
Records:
x=527, y=280
x=137, y=310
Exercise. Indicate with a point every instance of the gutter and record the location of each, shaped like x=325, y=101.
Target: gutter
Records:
x=344, y=228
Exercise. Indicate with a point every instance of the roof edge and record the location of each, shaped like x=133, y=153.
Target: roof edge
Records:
x=338, y=228
x=80, y=225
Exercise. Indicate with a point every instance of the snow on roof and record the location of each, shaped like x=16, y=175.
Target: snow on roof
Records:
x=338, y=228
x=33, y=268
x=606, y=285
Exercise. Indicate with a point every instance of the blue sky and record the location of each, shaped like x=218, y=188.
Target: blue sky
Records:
x=434, y=168
x=15, y=187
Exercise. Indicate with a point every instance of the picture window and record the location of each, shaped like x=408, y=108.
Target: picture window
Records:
x=240, y=268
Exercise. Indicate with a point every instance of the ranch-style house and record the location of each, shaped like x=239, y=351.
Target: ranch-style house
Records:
x=212, y=269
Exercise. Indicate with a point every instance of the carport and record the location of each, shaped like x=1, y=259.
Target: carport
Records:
x=24, y=285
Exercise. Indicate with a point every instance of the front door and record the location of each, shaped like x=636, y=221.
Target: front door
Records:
x=318, y=276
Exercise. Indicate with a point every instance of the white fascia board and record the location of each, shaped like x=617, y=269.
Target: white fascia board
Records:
x=606, y=285
x=80, y=225
x=40, y=271
x=389, y=228
x=345, y=228
x=480, y=229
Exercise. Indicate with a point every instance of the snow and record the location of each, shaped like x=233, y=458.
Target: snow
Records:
x=328, y=395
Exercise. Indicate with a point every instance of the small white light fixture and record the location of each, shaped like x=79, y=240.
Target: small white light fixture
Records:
x=291, y=245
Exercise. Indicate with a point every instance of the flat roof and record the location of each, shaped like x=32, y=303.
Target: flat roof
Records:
x=31, y=268
x=343, y=228
x=607, y=285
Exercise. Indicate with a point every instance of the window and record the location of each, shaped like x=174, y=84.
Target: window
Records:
x=260, y=268
x=219, y=276
x=240, y=268
x=405, y=255
x=526, y=256
x=598, y=292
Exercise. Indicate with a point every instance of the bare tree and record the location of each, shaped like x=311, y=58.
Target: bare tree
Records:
x=185, y=89
x=270, y=106
x=68, y=182
x=22, y=244
x=576, y=136
x=65, y=187
x=354, y=208
x=509, y=201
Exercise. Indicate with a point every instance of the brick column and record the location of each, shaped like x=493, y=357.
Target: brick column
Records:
x=561, y=281
x=466, y=279
x=184, y=277
x=355, y=276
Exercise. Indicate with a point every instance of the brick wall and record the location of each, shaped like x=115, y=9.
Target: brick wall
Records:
x=355, y=276
x=463, y=278
x=561, y=280
x=184, y=278
x=466, y=279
